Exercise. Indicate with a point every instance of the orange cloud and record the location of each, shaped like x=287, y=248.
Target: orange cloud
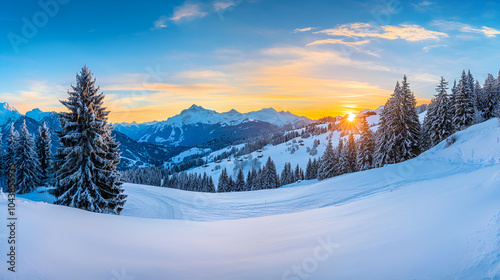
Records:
x=406, y=32
x=285, y=78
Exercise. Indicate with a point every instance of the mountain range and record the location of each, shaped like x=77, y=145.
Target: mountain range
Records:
x=198, y=125
x=133, y=152
x=155, y=142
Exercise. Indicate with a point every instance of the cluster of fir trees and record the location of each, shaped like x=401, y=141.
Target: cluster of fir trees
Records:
x=190, y=182
x=163, y=177
x=348, y=156
x=400, y=136
x=260, y=179
x=467, y=104
x=27, y=162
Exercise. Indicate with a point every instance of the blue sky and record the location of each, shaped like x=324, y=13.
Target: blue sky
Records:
x=313, y=58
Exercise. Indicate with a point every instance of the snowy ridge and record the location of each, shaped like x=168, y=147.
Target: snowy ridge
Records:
x=37, y=114
x=198, y=125
x=197, y=114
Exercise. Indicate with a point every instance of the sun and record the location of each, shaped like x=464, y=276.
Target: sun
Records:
x=351, y=117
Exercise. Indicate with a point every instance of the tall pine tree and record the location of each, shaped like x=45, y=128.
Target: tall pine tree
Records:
x=3, y=168
x=43, y=149
x=490, y=97
x=26, y=161
x=399, y=133
x=464, y=109
x=366, y=146
x=270, y=178
x=438, y=121
x=86, y=175
x=328, y=163
x=10, y=155
x=287, y=176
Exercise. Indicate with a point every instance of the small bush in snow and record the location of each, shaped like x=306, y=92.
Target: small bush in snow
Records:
x=451, y=140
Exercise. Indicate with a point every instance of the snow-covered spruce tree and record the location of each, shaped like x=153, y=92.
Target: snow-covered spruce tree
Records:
x=351, y=154
x=43, y=146
x=310, y=172
x=490, y=97
x=88, y=155
x=10, y=155
x=438, y=121
x=223, y=185
x=479, y=100
x=250, y=182
x=210, y=185
x=3, y=168
x=240, y=181
x=270, y=178
x=26, y=161
x=425, y=140
x=454, y=90
x=298, y=174
x=384, y=150
x=316, y=165
x=399, y=133
x=472, y=83
x=287, y=176
x=408, y=128
x=328, y=163
x=342, y=165
x=366, y=146
x=464, y=110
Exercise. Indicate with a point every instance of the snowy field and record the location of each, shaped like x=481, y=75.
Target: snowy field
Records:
x=433, y=217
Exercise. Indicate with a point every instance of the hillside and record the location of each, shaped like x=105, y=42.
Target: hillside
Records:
x=433, y=217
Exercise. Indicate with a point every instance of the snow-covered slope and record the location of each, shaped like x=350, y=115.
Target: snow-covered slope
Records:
x=433, y=217
x=294, y=151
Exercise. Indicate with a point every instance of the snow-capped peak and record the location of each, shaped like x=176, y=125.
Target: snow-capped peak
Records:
x=7, y=106
x=37, y=114
x=8, y=113
x=197, y=114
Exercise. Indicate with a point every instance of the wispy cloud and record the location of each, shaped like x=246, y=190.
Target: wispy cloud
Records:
x=411, y=33
x=354, y=44
x=187, y=12
x=161, y=22
x=305, y=29
x=428, y=48
x=42, y=93
x=222, y=5
x=192, y=11
x=423, y=5
x=486, y=31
